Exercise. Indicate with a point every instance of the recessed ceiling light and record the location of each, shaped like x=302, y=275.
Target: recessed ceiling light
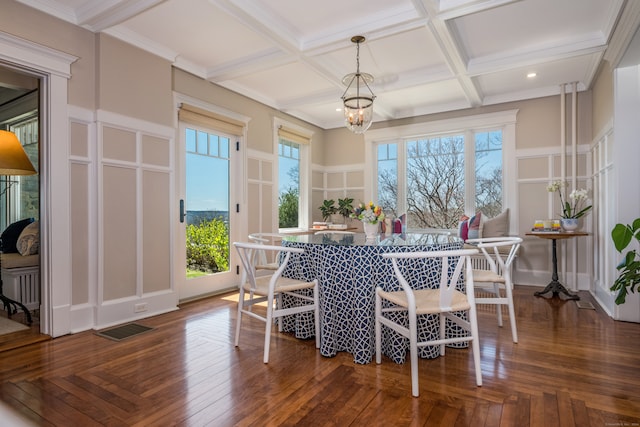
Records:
x=338, y=109
x=531, y=75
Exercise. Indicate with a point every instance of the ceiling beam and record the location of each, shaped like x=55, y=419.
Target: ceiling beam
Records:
x=98, y=16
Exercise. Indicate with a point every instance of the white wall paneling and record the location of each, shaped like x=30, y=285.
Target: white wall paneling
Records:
x=533, y=266
x=626, y=174
x=604, y=254
x=126, y=210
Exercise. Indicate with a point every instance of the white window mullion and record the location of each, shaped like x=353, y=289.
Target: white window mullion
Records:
x=402, y=177
x=469, y=173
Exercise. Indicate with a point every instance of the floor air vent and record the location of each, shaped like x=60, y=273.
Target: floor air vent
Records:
x=120, y=333
x=585, y=304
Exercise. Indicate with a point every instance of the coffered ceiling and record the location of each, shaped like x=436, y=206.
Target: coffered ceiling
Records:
x=427, y=56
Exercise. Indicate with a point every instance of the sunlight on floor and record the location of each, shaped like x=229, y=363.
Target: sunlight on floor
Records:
x=234, y=298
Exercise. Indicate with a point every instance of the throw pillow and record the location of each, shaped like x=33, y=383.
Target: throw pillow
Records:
x=29, y=241
x=10, y=235
x=497, y=226
x=463, y=227
x=475, y=226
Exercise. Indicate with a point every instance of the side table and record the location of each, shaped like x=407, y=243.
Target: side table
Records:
x=555, y=286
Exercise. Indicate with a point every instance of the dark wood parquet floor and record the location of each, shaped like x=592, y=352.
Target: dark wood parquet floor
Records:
x=572, y=367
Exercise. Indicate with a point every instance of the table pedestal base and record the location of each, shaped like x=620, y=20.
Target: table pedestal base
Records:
x=12, y=307
x=557, y=288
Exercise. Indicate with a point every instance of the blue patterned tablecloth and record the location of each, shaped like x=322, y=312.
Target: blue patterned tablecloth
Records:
x=349, y=267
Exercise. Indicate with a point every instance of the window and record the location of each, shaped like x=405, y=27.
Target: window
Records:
x=488, y=172
x=292, y=145
x=288, y=184
x=21, y=194
x=436, y=176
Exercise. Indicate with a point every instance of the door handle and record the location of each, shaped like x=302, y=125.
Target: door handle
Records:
x=182, y=212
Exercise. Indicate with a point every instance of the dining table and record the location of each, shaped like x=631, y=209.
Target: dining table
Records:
x=349, y=267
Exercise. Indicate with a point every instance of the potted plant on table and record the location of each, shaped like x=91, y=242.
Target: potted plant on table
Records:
x=628, y=278
x=328, y=208
x=345, y=207
x=571, y=211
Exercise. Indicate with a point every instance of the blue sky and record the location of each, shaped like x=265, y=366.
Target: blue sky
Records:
x=207, y=172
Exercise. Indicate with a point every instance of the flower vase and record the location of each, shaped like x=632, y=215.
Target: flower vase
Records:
x=569, y=224
x=370, y=230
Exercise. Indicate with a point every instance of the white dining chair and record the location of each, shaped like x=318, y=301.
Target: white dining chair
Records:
x=271, y=288
x=499, y=253
x=445, y=301
x=263, y=262
x=334, y=232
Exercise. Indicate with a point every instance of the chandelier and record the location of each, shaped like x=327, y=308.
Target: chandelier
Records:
x=358, y=107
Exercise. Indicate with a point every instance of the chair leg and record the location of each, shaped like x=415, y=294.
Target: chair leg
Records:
x=267, y=330
x=496, y=291
x=413, y=349
x=475, y=343
x=279, y=307
x=443, y=325
x=239, y=315
x=378, y=328
x=512, y=312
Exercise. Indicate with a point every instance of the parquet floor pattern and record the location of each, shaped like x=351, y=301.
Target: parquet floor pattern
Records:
x=572, y=367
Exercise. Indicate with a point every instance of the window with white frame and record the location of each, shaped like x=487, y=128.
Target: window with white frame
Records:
x=436, y=177
x=293, y=176
x=21, y=194
x=288, y=184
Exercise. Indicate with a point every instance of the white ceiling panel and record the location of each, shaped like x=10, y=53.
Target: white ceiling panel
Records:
x=426, y=56
x=403, y=53
x=203, y=33
x=314, y=23
x=425, y=99
x=288, y=82
x=532, y=25
x=547, y=75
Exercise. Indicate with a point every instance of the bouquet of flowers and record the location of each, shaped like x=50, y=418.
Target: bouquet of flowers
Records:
x=370, y=213
x=577, y=197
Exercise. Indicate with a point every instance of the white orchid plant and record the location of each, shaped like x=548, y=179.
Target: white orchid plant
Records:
x=573, y=209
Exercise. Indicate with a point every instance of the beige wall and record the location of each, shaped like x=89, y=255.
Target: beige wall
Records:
x=133, y=82
x=80, y=180
x=27, y=23
x=343, y=147
x=260, y=129
x=602, y=99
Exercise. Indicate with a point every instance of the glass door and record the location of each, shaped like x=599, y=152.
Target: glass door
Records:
x=207, y=213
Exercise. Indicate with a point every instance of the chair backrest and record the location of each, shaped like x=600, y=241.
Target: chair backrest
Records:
x=499, y=260
x=247, y=252
x=452, y=264
x=265, y=239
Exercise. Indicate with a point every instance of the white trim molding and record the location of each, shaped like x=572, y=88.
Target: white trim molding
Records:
x=53, y=67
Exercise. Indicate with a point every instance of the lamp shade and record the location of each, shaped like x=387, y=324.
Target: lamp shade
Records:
x=13, y=159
